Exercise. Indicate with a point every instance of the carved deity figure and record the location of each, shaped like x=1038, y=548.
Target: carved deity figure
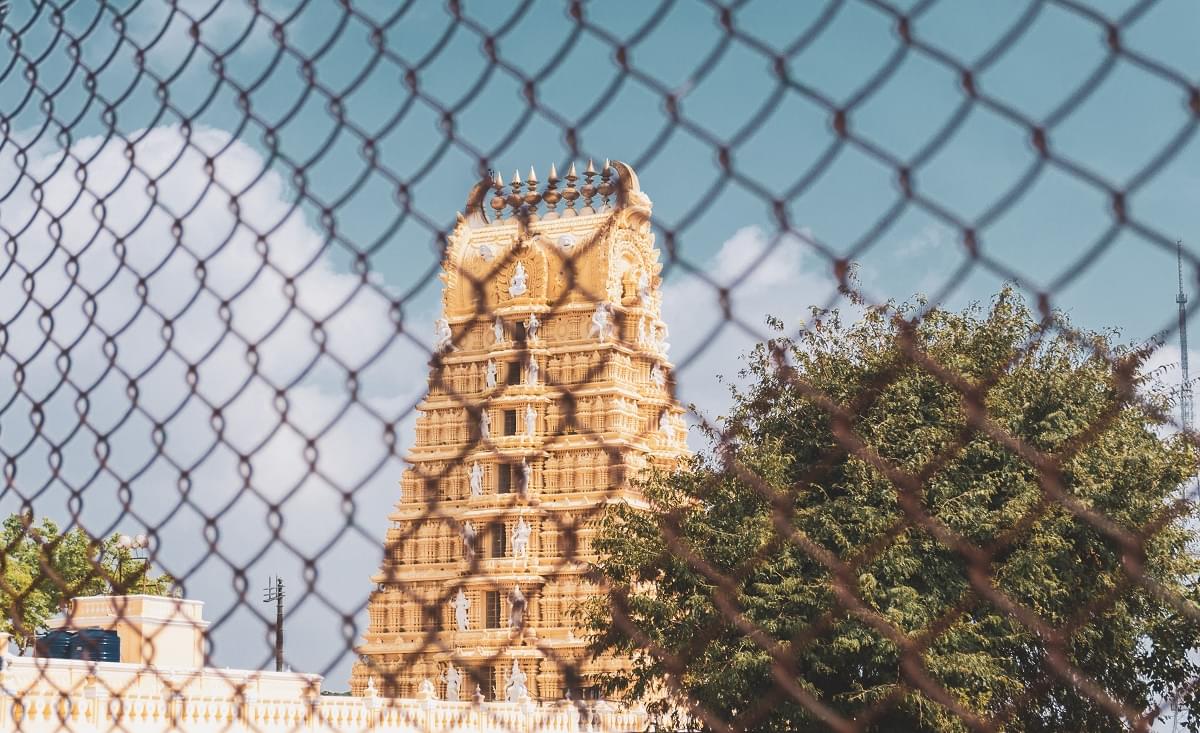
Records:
x=498, y=329
x=515, y=689
x=602, y=322
x=445, y=338
x=372, y=691
x=531, y=371
x=491, y=374
x=518, y=284
x=427, y=690
x=664, y=346
x=526, y=476
x=531, y=327
x=516, y=608
x=461, y=605
x=656, y=376
x=485, y=425
x=520, y=540
x=453, y=679
x=476, y=479
x=530, y=421
x=468, y=538
x=643, y=288
x=664, y=424
x=642, y=336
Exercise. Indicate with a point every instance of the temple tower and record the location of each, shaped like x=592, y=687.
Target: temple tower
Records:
x=549, y=392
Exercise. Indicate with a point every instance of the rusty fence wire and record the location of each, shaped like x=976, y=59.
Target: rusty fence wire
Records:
x=224, y=225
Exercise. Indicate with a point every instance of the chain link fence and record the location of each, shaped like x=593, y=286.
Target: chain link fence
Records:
x=228, y=225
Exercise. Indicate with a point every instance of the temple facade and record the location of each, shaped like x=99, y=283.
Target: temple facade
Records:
x=549, y=394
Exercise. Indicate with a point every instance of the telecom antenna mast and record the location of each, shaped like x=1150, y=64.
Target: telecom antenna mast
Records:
x=1185, y=388
x=273, y=593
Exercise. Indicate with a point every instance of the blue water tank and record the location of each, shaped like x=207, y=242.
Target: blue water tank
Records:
x=54, y=644
x=96, y=645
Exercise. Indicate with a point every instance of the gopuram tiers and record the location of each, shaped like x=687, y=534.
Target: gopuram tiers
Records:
x=549, y=394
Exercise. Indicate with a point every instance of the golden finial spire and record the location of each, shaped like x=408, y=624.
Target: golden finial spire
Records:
x=606, y=187
x=498, y=199
x=532, y=197
x=571, y=193
x=514, y=193
x=552, y=196
x=589, y=189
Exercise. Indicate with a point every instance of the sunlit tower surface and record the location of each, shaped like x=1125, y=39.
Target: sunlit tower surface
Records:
x=1185, y=387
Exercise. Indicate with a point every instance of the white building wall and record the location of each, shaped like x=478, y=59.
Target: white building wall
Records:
x=68, y=696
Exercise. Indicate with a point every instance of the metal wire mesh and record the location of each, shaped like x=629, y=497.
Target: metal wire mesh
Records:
x=224, y=222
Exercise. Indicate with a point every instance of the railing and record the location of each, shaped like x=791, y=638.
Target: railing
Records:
x=49, y=696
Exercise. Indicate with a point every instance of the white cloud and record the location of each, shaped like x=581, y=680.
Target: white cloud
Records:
x=87, y=248
x=781, y=277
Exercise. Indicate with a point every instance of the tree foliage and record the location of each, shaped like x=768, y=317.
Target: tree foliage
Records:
x=846, y=448
x=42, y=568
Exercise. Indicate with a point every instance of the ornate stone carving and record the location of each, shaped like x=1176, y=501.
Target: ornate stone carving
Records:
x=587, y=441
x=516, y=609
x=518, y=284
x=443, y=334
x=453, y=679
x=476, y=480
x=520, y=539
x=461, y=606
x=515, y=690
x=602, y=326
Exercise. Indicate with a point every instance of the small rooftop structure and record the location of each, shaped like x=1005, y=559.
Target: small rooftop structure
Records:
x=155, y=631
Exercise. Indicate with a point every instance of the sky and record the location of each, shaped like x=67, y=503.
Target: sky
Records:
x=349, y=141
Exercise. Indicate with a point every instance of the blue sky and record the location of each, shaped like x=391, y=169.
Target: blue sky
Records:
x=966, y=155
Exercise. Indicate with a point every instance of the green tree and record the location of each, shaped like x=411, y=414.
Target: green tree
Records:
x=777, y=565
x=42, y=568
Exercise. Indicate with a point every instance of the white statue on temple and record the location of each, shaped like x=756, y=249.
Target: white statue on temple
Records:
x=498, y=329
x=643, y=288
x=531, y=371
x=486, y=253
x=476, y=479
x=515, y=689
x=656, y=376
x=526, y=476
x=461, y=604
x=516, y=608
x=602, y=322
x=530, y=421
x=443, y=334
x=518, y=284
x=664, y=424
x=426, y=690
x=372, y=691
x=468, y=538
x=642, y=336
x=531, y=327
x=491, y=374
x=664, y=345
x=453, y=680
x=485, y=425
x=520, y=540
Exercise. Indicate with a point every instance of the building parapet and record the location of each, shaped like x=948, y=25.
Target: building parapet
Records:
x=53, y=695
